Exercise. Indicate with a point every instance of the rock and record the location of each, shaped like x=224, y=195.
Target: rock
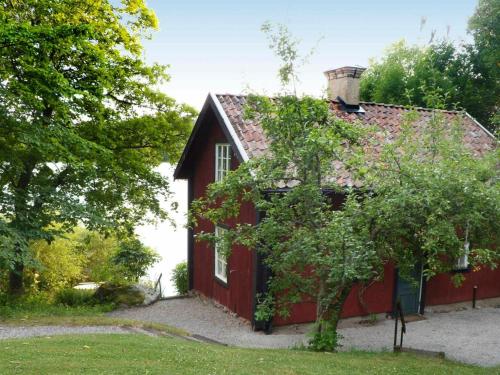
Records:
x=128, y=295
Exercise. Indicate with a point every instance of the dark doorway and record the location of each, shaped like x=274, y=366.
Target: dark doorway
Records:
x=409, y=291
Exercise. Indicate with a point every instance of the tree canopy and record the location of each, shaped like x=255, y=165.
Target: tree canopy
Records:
x=82, y=122
x=442, y=74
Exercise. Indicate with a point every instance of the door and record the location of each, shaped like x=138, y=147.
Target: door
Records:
x=409, y=291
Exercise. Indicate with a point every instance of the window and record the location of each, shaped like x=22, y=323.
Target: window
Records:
x=220, y=257
x=463, y=262
x=222, y=160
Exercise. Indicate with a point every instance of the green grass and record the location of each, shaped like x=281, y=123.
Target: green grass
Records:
x=40, y=312
x=138, y=354
x=43, y=305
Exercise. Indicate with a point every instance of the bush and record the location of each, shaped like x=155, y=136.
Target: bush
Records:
x=134, y=259
x=98, y=251
x=326, y=341
x=60, y=263
x=120, y=294
x=180, y=278
x=75, y=297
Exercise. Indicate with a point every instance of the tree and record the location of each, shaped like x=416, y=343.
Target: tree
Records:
x=459, y=77
x=428, y=200
x=484, y=25
x=134, y=259
x=61, y=264
x=313, y=251
x=420, y=200
x=82, y=124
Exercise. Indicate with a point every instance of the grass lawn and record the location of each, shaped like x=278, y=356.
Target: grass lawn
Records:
x=31, y=314
x=138, y=354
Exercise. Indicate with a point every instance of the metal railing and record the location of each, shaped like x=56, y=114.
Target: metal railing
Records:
x=398, y=315
x=158, y=285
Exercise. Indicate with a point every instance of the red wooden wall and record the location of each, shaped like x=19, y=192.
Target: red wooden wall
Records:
x=237, y=295
x=440, y=289
x=377, y=298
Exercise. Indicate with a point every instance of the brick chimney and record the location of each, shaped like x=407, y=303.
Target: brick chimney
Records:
x=343, y=83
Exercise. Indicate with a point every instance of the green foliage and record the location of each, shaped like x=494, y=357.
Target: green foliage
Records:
x=180, y=278
x=434, y=76
x=134, y=259
x=419, y=201
x=41, y=305
x=61, y=264
x=119, y=294
x=77, y=256
x=82, y=124
x=75, y=297
x=442, y=75
x=428, y=195
x=325, y=340
x=300, y=234
x=98, y=251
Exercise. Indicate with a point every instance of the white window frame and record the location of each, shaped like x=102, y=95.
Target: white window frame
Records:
x=222, y=160
x=220, y=262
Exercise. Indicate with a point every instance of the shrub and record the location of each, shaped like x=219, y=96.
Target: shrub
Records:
x=75, y=297
x=120, y=294
x=60, y=263
x=180, y=278
x=328, y=340
x=98, y=251
x=134, y=259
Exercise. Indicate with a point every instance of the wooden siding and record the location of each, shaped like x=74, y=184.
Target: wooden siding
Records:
x=237, y=295
x=440, y=289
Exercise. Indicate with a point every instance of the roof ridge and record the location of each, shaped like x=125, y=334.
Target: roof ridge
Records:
x=413, y=107
x=372, y=103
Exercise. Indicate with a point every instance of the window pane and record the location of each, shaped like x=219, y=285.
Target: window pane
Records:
x=220, y=263
x=222, y=160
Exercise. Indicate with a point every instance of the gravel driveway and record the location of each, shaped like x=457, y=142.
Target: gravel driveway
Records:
x=471, y=336
x=13, y=332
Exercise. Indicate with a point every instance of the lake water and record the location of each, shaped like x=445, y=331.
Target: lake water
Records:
x=169, y=242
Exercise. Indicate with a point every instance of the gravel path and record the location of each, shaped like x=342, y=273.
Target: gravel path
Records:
x=13, y=332
x=471, y=336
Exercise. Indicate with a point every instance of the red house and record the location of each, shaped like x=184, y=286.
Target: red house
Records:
x=222, y=139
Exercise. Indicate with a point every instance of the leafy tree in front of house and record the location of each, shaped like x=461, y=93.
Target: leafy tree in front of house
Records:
x=429, y=200
x=420, y=200
x=313, y=251
x=83, y=125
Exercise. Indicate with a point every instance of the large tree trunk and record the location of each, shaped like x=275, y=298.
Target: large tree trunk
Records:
x=336, y=310
x=327, y=318
x=16, y=286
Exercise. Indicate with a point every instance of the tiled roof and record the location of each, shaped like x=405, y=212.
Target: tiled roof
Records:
x=386, y=116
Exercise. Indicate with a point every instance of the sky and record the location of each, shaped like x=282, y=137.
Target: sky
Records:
x=217, y=46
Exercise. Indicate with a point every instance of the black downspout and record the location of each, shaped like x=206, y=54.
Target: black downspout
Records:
x=421, y=309
x=395, y=293
x=260, y=278
x=190, y=239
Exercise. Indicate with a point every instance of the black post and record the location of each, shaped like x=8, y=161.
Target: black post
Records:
x=395, y=328
x=474, y=294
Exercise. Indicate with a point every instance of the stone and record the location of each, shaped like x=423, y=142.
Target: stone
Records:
x=126, y=295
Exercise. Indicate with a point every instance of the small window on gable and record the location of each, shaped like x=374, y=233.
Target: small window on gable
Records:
x=463, y=262
x=222, y=160
x=220, y=257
